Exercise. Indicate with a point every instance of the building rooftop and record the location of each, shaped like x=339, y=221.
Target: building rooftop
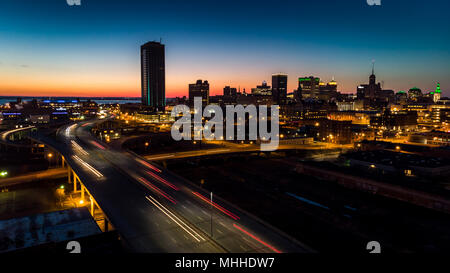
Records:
x=52, y=227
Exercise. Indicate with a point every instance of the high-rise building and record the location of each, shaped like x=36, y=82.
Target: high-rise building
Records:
x=369, y=91
x=414, y=93
x=437, y=93
x=199, y=89
x=373, y=95
x=229, y=91
x=312, y=88
x=153, y=78
x=262, y=89
x=279, y=88
x=308, y=87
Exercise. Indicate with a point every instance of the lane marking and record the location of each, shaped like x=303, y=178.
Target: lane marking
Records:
x=177, y=220
x=89, y=167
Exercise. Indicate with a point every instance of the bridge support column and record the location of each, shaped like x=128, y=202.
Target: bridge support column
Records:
x=74, y=182
x=106, y=225
x=82, y=192
x=69, y=173
x=92, y=206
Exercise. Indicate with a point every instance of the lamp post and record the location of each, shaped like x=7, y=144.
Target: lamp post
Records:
x=211, y=214
x=50, y=155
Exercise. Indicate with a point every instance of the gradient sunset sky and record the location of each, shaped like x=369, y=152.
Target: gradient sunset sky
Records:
x=48, y=48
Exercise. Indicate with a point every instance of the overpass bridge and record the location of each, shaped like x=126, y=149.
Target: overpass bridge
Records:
x=8, y=141
x=152, y=209
x=240, y=150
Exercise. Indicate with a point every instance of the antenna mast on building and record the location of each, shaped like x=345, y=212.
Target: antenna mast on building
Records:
x=373, y=67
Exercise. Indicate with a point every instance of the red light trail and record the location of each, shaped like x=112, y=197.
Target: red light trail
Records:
x=147, y=183
x=216, y=205
x=257, y=239
x=97, y=145
x=148, y=165
x=162, y=180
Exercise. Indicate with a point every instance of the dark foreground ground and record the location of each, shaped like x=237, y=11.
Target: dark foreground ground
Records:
x=325, y=216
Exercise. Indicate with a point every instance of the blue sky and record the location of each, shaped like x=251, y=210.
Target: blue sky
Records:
x=50, y=48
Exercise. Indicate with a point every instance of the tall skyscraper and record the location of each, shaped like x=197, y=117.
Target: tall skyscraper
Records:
x=279, y=88
x=199, y=89
x=308, y=87
x=153, y=76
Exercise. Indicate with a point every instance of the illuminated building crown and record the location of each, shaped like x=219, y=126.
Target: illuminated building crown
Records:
x=438, y=88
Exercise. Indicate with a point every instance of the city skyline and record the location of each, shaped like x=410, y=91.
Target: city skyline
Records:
x=244, y=127
x=88, y=51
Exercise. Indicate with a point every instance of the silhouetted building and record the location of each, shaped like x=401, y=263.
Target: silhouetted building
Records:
x=373, y=95
x=262, y=89
x=401, y=97
x=153, y=86
x=199, y=89
x=414, y=94
x=229, y=91
x=279, y=88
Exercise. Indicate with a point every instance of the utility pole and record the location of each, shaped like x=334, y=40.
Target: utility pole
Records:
x=211, y=214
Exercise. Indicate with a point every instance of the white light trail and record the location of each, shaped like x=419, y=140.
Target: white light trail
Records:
x=177, y=220
x=78, y=148
x=160, y=157
x=68, y=129
x=5, y=134
x=89, y=167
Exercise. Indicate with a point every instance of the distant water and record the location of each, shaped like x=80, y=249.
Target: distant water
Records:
x=4, y=100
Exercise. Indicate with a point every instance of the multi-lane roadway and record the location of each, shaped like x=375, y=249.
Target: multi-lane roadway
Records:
x=154, y=210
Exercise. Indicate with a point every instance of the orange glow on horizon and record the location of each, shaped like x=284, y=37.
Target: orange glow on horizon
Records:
x=30, y=82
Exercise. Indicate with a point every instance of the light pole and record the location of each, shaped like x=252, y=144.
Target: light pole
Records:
x=211, y=214
x=50, y=155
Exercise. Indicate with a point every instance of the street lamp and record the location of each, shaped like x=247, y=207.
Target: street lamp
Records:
x=211, y=214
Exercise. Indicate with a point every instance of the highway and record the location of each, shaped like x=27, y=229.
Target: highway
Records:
x=32, y=177
x=240, y=149
x=156, y=211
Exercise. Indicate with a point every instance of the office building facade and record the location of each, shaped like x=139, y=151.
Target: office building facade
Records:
x=199, y=89
x=279, y=88
x=153, y=78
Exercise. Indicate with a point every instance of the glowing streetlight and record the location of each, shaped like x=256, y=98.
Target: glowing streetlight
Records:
x=50, y=155
x=3, y=173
